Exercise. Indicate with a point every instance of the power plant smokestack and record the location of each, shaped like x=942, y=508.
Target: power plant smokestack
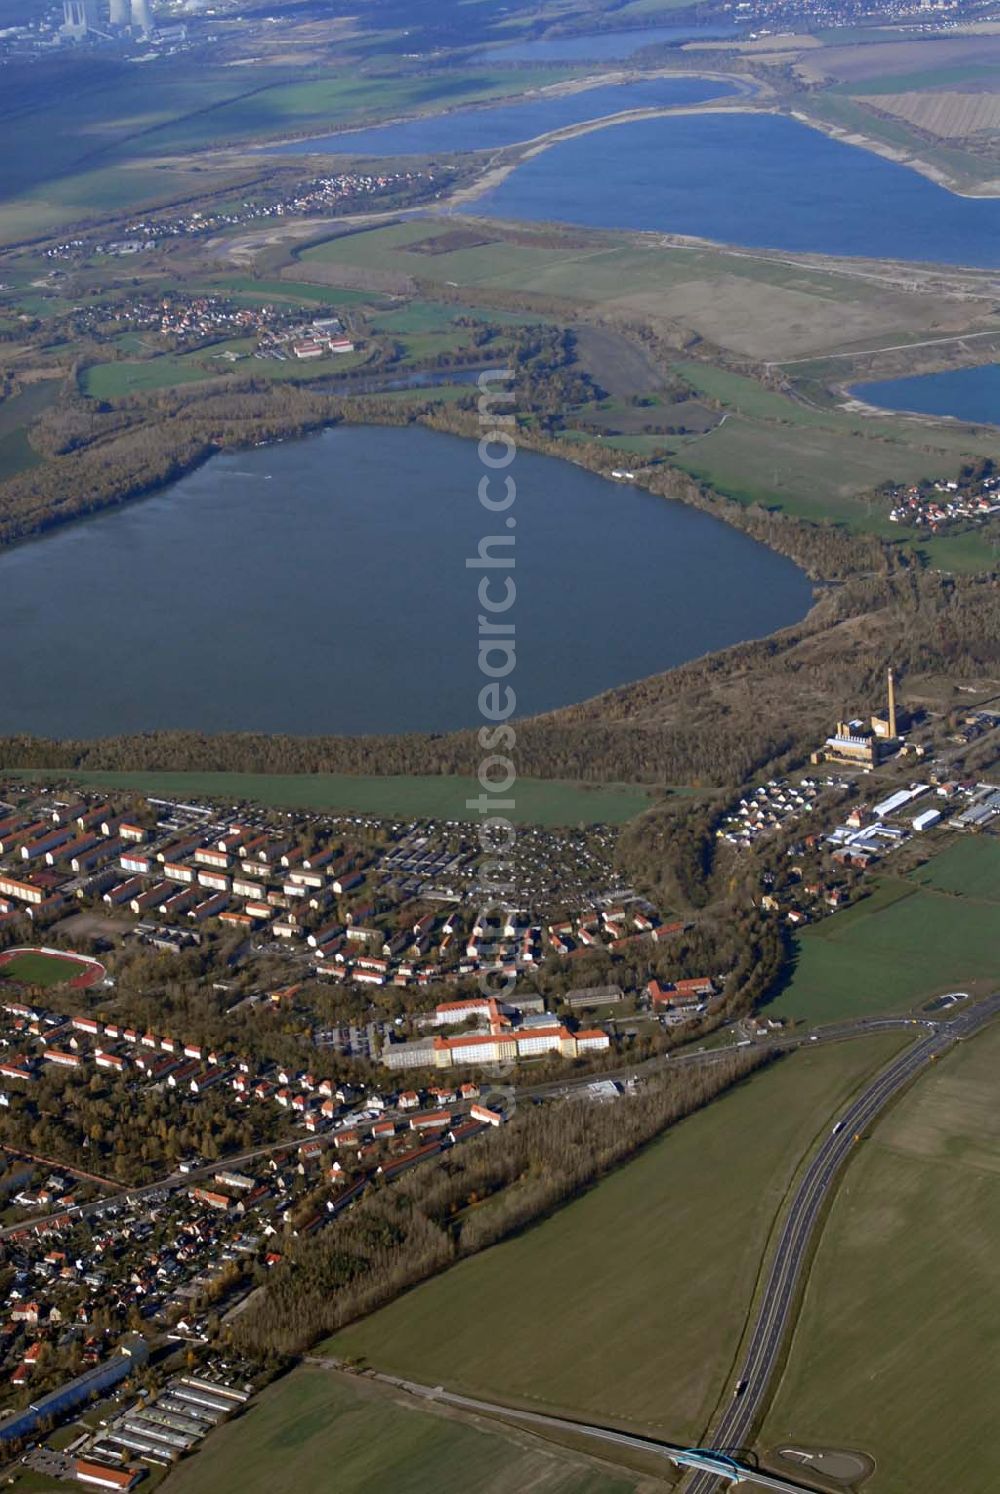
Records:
x=119, y=15
x=892, y=703
x=142, y=19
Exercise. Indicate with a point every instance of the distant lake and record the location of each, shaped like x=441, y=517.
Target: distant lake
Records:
x=320, y=586
x=971, y=394
x=488, y=128
x=760, y=180
x=605, y=46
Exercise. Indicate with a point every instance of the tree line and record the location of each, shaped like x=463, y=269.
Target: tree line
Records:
x=479, y=1193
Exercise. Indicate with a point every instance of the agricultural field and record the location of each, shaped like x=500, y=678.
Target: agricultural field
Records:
x=889, y=952
x=895, y=1350
x=969, y=868
x=85, y=195
x=896, y=63
x=135, y=130
x=830, y=461
x=626, y=1305
x=810, y=469
x=316, y=1429
x=342, y=98
x=953, y=116
x=760, y=307
x=539, y=801
x=427, y=330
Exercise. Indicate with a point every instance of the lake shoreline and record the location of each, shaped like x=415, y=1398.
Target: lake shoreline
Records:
x=888, y=152
x=614, y=78
x=903, y=385
x=498, y=171
x=744, y=88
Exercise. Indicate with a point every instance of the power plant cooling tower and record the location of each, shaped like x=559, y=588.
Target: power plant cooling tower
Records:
x=79, y=18
x=119, y=15
x=142, y=19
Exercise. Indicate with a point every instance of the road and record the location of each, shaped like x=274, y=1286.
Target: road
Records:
x=840, y=1032
x=539, y=1419
x=834, y=1033
x=169, y=1180
x=734, y=1428
x=896, y=347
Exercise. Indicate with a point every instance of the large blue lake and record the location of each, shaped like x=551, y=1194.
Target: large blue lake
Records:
x=506, y=124
x=759, y=180
x=605, y=46
x=320, y=586
x=966, y=393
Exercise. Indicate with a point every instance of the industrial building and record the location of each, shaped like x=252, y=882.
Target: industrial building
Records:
x=895, y=721
x=101, y=1476
x=866, y=743
x=985, y=807
x=131, y=1354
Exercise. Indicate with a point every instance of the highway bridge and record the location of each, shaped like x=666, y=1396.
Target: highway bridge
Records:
x=721, y=1465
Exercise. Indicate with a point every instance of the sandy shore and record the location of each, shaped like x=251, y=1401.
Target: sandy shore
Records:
x=498, y=170
x=513, y=156
x=612, y=78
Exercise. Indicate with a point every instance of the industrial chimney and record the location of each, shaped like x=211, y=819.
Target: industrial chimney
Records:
x=892, y=704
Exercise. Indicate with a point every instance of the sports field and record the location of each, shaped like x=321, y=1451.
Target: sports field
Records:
x=33, y=967
x=539, y=801
x=896, y=1350
x=283, y=290
x=627, y=1304
x=316, y=1431
x=124, y=377
x=898, y=946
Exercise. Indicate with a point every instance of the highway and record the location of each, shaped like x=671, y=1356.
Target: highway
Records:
x=734, y=1428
